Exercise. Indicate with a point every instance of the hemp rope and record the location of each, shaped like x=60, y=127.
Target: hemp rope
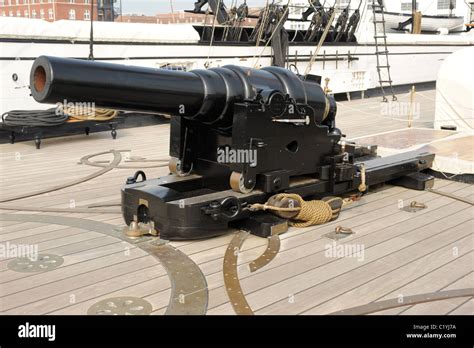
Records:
x=311, y=213
x=79, y=114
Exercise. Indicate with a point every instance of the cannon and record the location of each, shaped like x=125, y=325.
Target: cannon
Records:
x=238, y=136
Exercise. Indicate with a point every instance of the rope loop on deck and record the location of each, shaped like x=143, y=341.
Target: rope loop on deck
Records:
x=308, y=213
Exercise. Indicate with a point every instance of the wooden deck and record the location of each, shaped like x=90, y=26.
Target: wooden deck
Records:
x=404, y=253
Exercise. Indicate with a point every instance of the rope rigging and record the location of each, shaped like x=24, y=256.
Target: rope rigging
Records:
x=321, y=40
x=279, y=17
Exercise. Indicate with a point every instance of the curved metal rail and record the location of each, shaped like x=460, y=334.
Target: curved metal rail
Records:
x=189, y=293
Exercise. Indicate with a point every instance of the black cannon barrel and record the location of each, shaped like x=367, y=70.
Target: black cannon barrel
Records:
x=207, y=95
x=55, y=80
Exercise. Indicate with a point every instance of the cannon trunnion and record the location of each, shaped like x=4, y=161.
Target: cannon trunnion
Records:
x=238, y=136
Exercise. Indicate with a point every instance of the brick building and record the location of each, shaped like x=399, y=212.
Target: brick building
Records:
x=136, y=18
x=53, y=10
x=180, y=17
x=187, y=17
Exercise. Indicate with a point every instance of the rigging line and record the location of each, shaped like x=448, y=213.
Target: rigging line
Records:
x=262, y=24
x=273, y=33
x=228, y=22
x=427, y=6
x=360, y=21
x=206, y=64
x=320, y=43
x=205, y=17
x=454, y=110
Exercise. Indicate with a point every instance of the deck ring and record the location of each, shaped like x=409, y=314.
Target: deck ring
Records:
x=268, y=255
x=121, y=306
x=87, y=161
x=186, y=297
x=39, y=263
x=375, y=307
x=113, y=164
x=231, y=277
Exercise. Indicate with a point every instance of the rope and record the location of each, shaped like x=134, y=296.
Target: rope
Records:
x=310, y=213
x=262, y=24
x=277, y=28
x=34, y=118
x=320, y=43
x=206, y=64
x=362, y=187
x=450, y=195
x=227, y=23
x=82, y=114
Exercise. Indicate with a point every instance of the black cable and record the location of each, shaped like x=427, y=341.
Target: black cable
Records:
x=34, y=118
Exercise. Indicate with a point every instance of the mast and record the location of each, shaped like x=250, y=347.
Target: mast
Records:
x=413, y=14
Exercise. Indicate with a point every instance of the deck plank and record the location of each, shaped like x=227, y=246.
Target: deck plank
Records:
x=311, y=254
x=343, y=274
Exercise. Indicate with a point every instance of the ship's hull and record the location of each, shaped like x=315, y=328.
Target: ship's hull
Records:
x=350, y=67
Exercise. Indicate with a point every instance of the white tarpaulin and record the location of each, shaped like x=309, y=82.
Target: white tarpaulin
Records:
x=455, y=91
x=18, y=28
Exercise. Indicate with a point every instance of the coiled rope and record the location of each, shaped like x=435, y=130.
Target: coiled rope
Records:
x=310, y=213
x=34, y=118
x=55, y=116
x=92, y=114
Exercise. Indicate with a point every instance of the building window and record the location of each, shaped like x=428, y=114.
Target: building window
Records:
x=42, y=14
x=406, y=6
x=10, y=13
x=3, y=13
x=18, y=13
x=445, y=4
x=87, y=15
x=33, y=14
x=71, y=1
x=72, y=14
x=50, y=13
x=25, y=13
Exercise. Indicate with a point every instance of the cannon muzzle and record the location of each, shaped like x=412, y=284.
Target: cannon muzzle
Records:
x=207, y=95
